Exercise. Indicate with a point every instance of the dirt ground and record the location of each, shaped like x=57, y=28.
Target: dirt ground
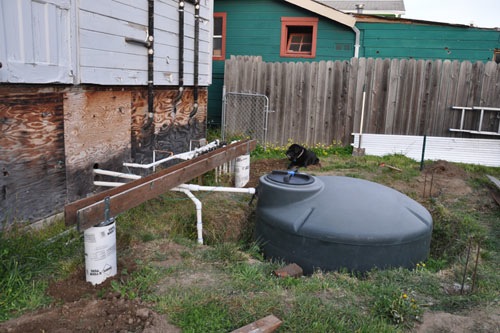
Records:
x=80, y=307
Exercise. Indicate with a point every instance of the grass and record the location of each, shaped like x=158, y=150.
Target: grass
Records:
x=29, y=259
x=228, y=284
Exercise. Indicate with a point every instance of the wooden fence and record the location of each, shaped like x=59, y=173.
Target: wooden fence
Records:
x=321, y=102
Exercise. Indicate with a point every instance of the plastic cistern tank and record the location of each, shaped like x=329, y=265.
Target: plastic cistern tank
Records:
x=334, y=223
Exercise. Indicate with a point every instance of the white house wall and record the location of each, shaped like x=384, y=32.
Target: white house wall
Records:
x=52, y=41
x=105, y=57
x=35, y=41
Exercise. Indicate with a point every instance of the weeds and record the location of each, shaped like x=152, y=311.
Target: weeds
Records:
x=28, y=258
x=138, y=283
x=399, y=308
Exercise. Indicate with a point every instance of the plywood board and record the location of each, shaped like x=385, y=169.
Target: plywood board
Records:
x=32, y=178
x=97, y=130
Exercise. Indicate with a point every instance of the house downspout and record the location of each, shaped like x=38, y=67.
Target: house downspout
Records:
x=149, y=44
x=196, y=56
x=356, y=42
x=151, y=27
x=181, y=57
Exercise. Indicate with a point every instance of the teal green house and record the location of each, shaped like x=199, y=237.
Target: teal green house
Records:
x=306, y=30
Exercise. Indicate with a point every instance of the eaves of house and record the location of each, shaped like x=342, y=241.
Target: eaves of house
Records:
x=325, y=11
x=370, y=7
x=362, y=18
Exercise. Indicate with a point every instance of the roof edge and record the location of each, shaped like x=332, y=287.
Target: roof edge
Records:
x=325, y=11
x=365, y=18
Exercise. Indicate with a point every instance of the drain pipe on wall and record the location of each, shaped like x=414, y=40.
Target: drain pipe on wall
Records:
x=196, y=57
x=149, y=44
x=181, y=58
x=357, y=41
x=151, y=29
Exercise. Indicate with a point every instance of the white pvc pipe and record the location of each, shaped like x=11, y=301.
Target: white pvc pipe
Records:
x=116, y=174
x=362, y=117
x=183, y=156
x=194, y=187
x=199, y=223
x=187, y=188
x=108, y=184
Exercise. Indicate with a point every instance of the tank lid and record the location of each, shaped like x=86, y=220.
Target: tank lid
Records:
x=290, y=177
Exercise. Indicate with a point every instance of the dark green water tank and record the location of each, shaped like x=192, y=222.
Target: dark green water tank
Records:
x=332, y=223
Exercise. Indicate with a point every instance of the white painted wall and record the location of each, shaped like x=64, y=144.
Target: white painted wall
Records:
x=460, y=150
x=53, y=41
x=35, y=43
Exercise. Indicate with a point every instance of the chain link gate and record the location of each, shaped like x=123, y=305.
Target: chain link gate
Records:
x=245, y=115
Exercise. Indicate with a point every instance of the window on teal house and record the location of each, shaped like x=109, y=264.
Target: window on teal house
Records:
x=298, y=37
x=219, y=37
x=496, y=56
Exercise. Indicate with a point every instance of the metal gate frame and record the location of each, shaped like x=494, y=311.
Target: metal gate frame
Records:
x=248, y=120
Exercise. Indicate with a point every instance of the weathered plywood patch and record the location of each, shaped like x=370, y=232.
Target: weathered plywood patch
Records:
x=97, y=134
x=172, y=128
x=32, y=179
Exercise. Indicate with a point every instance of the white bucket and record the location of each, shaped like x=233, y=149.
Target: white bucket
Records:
x=100, y=252
x=241, y=170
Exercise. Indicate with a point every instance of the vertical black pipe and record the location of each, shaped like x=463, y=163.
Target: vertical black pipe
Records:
x=196, y=56
x=181, y=56
x=151, y=27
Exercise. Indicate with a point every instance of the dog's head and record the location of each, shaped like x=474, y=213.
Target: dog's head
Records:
x=294, y=151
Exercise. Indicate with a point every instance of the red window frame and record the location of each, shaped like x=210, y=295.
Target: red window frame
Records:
x=286, y=24
x=222, y=56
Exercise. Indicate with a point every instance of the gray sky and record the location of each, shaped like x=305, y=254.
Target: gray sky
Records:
x=482, y=13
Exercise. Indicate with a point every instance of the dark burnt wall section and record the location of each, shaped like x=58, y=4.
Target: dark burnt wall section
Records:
x=52, y=137
x=32, y=162
x=172, y=128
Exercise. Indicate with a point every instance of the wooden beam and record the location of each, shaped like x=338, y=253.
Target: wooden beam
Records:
x=88, y=212
x=265, y=325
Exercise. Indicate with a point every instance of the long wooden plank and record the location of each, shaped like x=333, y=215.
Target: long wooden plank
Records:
x=90, y=211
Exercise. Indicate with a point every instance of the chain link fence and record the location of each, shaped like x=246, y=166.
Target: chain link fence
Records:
x=245, y=115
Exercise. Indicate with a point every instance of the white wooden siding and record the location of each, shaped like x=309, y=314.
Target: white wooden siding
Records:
x=105, y=57
x=47, y=41
x=460, y=150
x=35, y=41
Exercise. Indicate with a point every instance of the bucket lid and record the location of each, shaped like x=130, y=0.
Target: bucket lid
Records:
x=290, y=177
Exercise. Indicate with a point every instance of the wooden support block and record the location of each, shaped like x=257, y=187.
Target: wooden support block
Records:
x=292, y=270
x=264, y=325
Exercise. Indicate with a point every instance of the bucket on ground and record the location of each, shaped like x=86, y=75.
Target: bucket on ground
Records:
x=241, y=170
x=100, y=251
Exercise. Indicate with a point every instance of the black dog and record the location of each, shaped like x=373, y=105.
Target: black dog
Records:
x=300, y=156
